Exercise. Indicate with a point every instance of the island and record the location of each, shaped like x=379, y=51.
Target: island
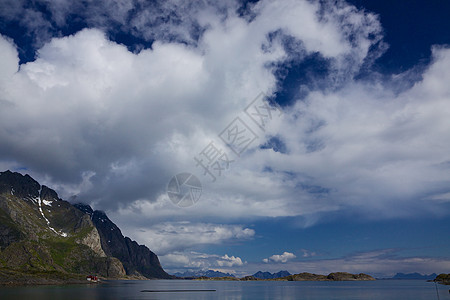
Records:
x=442, y=279
x=337, y=276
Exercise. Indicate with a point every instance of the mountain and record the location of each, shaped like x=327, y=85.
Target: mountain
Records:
x=42, y=235
x=136, y=259
x=414, y=276
x=208, y=273
x=268, y=275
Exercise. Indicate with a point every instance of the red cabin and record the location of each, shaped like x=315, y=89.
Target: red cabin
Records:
x=92, y=278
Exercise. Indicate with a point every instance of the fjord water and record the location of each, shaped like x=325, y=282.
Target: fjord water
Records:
x=183, y=289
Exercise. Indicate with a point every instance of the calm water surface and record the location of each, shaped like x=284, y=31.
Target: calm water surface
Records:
x=364, y=290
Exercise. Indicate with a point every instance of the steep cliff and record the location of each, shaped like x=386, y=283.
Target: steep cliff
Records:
x=137, y=259
x=39, y=232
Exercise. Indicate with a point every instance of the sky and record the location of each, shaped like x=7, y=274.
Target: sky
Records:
x=341, y=111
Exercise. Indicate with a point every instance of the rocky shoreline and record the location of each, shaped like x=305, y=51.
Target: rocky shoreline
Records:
x=337, y=276
x=442, y=279
x=16, y=278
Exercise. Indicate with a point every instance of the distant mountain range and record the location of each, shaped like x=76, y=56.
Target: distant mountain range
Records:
x=202, y=273
x=213, y=274
x=414, y=276
x=43, y=234
x=268, y=275
x=216, y=274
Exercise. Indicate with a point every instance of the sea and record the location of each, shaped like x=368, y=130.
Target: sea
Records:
x=190, y=289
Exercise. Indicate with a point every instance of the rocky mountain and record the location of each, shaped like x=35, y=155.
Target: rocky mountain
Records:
x=204, y=273
x=268, y=275
x=137, y=259
x=43, y=234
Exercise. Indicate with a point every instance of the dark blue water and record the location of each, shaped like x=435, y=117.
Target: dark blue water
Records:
x=363, y=290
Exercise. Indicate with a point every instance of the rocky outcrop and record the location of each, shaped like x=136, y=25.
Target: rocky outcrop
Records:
x=111, y=267
x=92, y=240
x=23, y=186
x=137, y=259
x=248, y=278
x=305, y=277
x=338, y=276
x=443, y=278
x=9, y=232
x=344, y=276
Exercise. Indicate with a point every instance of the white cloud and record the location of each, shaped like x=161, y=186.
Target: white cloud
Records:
x=308, y=253
x=191, y=260
x=177, y=259
x=229, y=261
x=9, y=63
x=89, y=106
x=168, y=237
x=374, y=151
x=280, y=258
x=91, y=118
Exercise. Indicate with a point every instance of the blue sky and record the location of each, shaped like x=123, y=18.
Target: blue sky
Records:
x=106, y=101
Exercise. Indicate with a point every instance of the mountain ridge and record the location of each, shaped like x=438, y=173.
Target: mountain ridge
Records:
x=41, y=233
x=268, y=275
x=202, y=273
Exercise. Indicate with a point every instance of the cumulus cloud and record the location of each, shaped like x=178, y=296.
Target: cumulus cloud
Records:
x=189, y=260
x=373, y=151
x=186, y=21
x=229, y=261
x=280, y=258
x=9, y=64
x=112, y=126
x=163, y=20
x=87, y=105
x=168, y=237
